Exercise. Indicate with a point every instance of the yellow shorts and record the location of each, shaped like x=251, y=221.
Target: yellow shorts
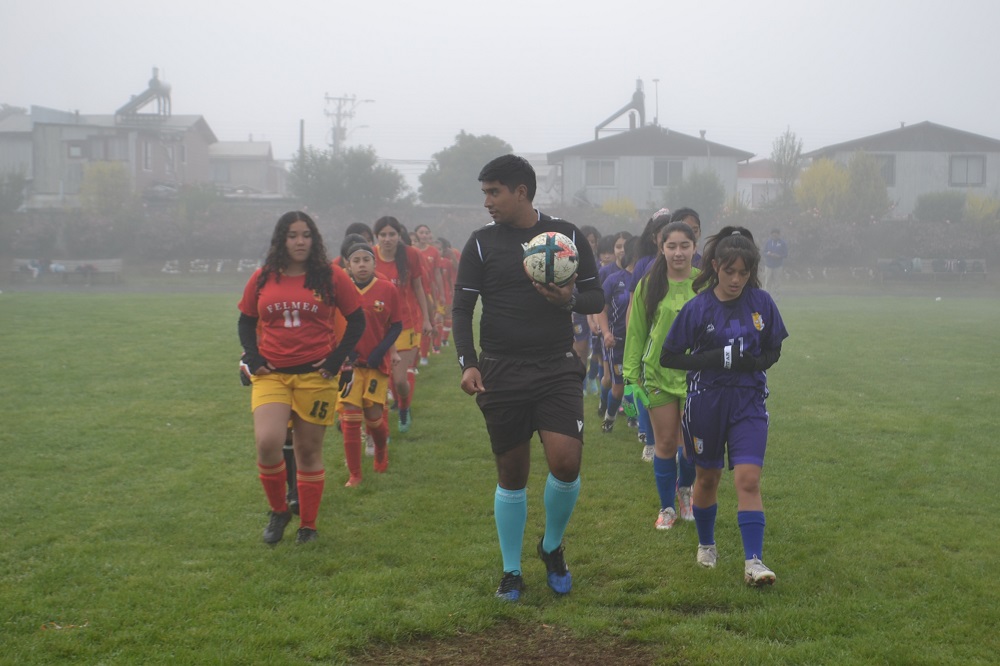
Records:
x=310, y=396
x=370, y=388
x=408, y=339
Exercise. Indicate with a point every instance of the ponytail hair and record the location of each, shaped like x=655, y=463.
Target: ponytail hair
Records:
x=724, y=248
x=657, y=282
x=402, y=265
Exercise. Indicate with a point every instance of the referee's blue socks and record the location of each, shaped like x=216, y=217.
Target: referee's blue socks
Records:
x=510, y=509
x=560, y=500
x=704, y=522
x=752, y=530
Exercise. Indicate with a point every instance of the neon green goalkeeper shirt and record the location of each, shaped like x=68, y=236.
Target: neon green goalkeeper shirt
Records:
x=643, y=341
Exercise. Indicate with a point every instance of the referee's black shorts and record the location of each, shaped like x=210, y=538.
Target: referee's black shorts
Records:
x=526, y=395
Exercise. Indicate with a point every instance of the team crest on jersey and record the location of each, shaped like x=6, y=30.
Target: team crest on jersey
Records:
x=378, y=306
x=758, y=321
x=699, y=445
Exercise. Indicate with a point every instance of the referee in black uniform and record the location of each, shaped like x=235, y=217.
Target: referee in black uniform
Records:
x=527, y=378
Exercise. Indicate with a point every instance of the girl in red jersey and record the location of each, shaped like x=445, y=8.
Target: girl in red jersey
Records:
x=364, y=399
x=449, y=269
x=433, y=282
x=404, y=266
x=292, y=362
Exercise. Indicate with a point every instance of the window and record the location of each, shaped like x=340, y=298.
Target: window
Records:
x=967, y=170
x=147, y=156
x=888, y=165
x=168, y=158
x=599, y=173
x=667, y=173
x=182, y=153
x=75, y=149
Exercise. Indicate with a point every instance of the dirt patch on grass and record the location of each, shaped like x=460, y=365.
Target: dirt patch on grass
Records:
x=521, y=644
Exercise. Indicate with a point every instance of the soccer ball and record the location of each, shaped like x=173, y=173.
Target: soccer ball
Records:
x=551, y=257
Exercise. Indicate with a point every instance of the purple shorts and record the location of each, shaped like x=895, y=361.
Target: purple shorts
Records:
x=581, y=328
x=721, y=421
x=615, y=357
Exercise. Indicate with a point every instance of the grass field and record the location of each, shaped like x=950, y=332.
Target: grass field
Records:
x=132, y=514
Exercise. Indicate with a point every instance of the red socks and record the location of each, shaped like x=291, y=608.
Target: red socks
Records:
x=273, y=480
x=379, y=431
x=350, y=423
x=310, y=493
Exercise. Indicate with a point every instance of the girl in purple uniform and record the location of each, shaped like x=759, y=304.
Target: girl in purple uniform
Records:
x=727, y=337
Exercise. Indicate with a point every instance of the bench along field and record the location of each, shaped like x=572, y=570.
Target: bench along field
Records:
x=67, y=270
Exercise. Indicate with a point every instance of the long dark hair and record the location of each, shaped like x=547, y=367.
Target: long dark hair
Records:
x=402, y=265
x=647, y=239
x=319, y=274
x=656, y=279
x=360, y=228
x=725, y=247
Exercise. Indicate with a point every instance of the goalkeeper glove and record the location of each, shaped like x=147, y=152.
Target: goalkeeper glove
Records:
x=346, y=379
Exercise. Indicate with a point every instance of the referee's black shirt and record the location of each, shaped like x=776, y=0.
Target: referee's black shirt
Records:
x=516, y=320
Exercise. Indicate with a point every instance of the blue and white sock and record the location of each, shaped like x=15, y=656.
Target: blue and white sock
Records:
x=704, y=522
x=752, y=530
x=665, y=471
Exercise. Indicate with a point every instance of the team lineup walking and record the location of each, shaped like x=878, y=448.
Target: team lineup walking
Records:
x=679, y=341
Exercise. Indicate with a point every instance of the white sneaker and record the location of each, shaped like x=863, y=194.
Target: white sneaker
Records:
x=756, y=574
x=423, y=360
x=684, y=503
x=647, y=453
x=707, y=556
x=369, y=445
x=666, y=519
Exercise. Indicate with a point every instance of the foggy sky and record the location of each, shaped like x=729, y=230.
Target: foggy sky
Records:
x=539, y=75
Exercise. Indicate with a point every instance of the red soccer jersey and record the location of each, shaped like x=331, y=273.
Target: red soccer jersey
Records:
x=380, y=299
x=412, y=316
x=447, y=278
x=432, y=257
x=295, y=326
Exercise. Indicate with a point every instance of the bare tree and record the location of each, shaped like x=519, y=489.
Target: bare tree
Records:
x=786, y=153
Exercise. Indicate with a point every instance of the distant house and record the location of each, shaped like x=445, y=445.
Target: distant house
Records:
x=640, y=164
x=161, y=152
x=757, y=183
x=926, y=157
x=246, y=167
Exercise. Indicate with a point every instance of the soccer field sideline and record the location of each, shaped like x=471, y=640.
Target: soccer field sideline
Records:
x=133, y=507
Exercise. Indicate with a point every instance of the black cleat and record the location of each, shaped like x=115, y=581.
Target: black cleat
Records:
x=511, y=586
x=557, y=573
x=305, y=535
x=276, y=526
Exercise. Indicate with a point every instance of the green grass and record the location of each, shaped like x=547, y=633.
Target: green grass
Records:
x=131, y=507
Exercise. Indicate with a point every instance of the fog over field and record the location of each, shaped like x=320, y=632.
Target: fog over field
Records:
x=540, y=75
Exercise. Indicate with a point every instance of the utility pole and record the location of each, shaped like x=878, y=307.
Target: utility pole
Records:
x=342, y=111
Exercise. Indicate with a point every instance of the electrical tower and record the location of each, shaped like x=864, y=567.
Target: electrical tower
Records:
x=342, y=111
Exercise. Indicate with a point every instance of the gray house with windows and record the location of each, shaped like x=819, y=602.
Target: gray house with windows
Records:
x=640, y=165
x=924, y=158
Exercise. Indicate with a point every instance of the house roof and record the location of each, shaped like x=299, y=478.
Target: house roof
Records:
x=18, y=123
x=926, y=137
x=240, y=149
x=648, y=141
x=40, y=114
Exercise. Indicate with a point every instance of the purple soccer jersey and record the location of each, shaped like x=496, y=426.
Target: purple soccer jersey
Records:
x=705, y=323
x=616, y=298
x=725, y=410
